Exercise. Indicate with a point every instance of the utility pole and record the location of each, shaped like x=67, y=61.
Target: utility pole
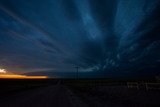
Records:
x=77, y=68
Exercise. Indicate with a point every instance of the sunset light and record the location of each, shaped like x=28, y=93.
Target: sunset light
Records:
x=2, y=71
x=5, y=75
x=15, y=76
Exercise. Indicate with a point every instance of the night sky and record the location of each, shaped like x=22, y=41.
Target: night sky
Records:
x=105, y=38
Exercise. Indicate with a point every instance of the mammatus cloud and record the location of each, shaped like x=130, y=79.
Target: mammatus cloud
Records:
x=107, y=36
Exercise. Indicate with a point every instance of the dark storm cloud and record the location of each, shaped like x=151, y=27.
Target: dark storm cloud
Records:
x=107, y=36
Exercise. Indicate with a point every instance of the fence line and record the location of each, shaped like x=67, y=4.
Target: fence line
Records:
x=146, y=85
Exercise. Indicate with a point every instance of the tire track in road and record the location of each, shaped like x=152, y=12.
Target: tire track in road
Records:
x=74, y=99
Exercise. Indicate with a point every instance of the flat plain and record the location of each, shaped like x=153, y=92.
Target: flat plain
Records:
x=75, y=93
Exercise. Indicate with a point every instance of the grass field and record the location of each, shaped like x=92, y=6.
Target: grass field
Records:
x=92, y=92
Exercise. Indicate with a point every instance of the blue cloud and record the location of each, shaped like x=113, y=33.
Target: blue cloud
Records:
x=106, y=36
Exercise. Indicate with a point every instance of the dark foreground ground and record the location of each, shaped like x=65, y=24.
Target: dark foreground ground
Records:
x=75, y=93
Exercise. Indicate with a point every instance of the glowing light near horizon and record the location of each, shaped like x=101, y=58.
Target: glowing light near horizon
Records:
x=15, y=76
x=5, y=75
x=3, y=71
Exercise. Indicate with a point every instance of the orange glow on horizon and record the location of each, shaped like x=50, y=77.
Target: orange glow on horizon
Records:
x=8, y=75
x=15, y=76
